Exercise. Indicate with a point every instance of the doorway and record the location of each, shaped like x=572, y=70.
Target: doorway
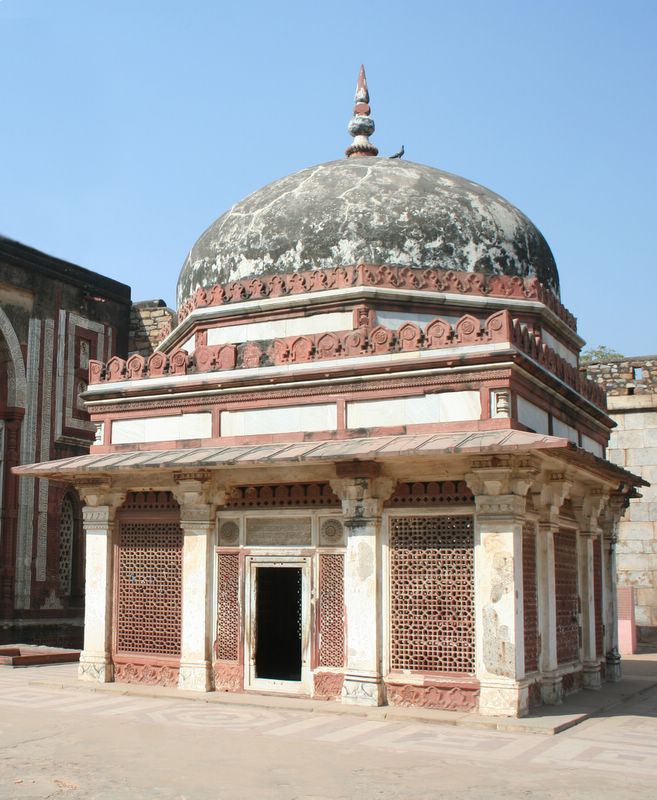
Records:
x=277, y=624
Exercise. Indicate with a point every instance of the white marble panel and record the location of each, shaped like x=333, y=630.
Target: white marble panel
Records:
x=162, y=429
x=279, y=328
x=188, y=346
x=286, y=419
x=592, y=446
x=565, y=352
x=443, y=407
x=532, y=416
x=560, y=428
x=395, y=319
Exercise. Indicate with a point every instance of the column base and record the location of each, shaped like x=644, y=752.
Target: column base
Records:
x=552, y=690
x=194, y=676
x=591, y=675
x=95, y=668
x=613, y=666
x=503, y=698
x=362, y=690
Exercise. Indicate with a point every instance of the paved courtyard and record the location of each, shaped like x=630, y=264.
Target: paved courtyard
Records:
x=72, y=743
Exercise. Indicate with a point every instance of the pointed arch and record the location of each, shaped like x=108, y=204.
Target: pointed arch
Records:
x=17, y=388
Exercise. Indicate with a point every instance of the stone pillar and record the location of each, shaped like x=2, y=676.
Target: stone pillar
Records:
x=198, y=511
x=362, y=506
x=499, y=518
x=609, y=520
x=548, y=500
x=98, y=515
x=587, y=510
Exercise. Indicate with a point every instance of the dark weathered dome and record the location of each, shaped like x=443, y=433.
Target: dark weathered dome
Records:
x=368, y=210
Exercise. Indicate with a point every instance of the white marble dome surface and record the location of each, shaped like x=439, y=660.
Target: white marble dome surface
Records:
x=368, y=210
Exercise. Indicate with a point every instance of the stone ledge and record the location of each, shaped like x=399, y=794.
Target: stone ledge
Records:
x=546, y=720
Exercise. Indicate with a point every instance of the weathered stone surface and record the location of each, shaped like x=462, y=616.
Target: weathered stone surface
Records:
x=372, y=210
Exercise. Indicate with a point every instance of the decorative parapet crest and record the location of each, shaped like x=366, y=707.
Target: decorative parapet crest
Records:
x=388, y=277
x=366, y=340
x=532, y=345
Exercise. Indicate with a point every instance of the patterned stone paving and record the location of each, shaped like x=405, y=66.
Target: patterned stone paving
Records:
x=626, y=741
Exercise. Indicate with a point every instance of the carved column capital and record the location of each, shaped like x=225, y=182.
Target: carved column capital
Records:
x=611, y=515
x=500, y=485
x=97, y=493
x=550, y=493
x=498, y=476
x=363, y=497
x=501, y=506
x=198, y=497
x=587, y=507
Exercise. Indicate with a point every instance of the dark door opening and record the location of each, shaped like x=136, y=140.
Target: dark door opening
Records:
x=278, y=623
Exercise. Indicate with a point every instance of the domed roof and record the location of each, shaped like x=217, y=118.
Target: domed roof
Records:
x=368, y=210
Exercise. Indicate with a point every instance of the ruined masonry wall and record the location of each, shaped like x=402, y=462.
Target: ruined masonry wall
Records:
x=150, y=322
x=625, y=376
x=631, y=385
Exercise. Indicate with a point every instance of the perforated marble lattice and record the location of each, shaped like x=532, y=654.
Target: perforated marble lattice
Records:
x=530, y=597
x=597, y=593
x=567, y=598
x=149, y=601
x=228, y=607
x=66, y=531
x=331, y=610
x=432, y=594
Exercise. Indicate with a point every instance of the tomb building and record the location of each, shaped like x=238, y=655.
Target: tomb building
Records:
x=55, y=317
x=364, y=466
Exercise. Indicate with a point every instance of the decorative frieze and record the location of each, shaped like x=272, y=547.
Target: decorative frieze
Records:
x=430, y=494
x=390, y=277
x=467, y=331
x=462, y=697
x=228, y=676
x=283, y=495
x=327, y=685
x=146, y=674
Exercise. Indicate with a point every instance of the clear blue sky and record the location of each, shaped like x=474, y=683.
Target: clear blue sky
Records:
x=127, y=126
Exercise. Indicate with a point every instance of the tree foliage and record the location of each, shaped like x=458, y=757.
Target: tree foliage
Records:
x=591, y=355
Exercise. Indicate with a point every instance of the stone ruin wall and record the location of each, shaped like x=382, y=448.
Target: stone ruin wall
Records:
x=625, y=376
x=631, y=385
x=150, y=322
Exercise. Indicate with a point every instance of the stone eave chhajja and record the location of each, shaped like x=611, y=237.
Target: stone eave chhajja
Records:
x=385, y=450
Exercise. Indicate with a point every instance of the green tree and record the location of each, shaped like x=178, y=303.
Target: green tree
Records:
x=600, y=353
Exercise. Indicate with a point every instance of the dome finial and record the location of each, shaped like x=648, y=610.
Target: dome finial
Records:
x=361, y=125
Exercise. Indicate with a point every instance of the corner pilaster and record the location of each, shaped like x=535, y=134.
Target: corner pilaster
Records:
x=500, y=488
x=550, y=495
x=609, y=520
x=199, y=501
x=362, y=506
x=588, y=508
x=99, y=521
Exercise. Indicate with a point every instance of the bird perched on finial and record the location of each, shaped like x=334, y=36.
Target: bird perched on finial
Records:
x=398, y=154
